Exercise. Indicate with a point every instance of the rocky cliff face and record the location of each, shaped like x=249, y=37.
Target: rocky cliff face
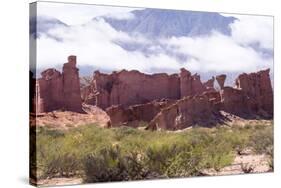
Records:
x=61, y=90
x=191, y=84
x=234, y=101
x=200, y=104
x=221, y=79
x=71, y=86
x=164, y=101
x=132, y=87
x=184, y=113
x=51, y=89
x=130, y=96
x=134, y=114
x=257, y=87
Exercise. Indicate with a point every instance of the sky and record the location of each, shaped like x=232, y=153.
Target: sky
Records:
x=249, y=47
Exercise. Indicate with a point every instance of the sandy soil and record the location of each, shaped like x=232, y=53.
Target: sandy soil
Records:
x=59, y=181
x=257, y=164
x=242, y=163
x=233, y=120
x=67, y=119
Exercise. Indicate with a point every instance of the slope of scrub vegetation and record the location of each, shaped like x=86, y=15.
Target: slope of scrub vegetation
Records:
x=98, y=154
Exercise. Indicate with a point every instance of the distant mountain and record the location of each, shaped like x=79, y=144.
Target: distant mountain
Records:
x=167, y=23
x=151, y=23
x=41, y=25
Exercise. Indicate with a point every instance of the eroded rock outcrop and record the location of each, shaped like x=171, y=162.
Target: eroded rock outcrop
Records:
x=61, y=90
x=209, y=84
x=251, y=98
x=132, y=87
x=127, y=97
x=186, y=112
x=133, y=115
x=234, y=101
x=190, y=84
x=164, y=101
x=51, y=89
x=257, y=87
x=221, y=79
x=71, y=86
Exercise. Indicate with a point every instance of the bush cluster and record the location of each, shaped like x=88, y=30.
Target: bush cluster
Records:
x=118, y=154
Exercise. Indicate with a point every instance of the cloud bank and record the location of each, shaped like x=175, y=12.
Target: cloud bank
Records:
x=77, y=14
x=94, y=43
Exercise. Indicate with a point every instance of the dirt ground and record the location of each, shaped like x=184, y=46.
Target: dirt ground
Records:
x=245, y=163
x=67, y=119
x=59, y=181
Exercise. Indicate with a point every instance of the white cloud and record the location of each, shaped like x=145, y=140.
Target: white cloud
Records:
x=253, y=29
x=76, y=14
x=218, y=52
x=94, y=44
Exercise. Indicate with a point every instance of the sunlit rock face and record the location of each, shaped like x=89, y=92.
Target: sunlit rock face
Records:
x=257, y=87
x=172, y=102
x=132, y=87
x=61, y=91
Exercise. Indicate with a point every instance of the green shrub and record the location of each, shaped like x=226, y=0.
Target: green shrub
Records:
x=105, y=165
x=262, y=141
x=116, y=154
x=109, y=164
x=185, y=164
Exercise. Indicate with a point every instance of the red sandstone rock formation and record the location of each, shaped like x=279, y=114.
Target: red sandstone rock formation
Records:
x=130, y=96
x=221, y=79
x=257, y=87
x=213, y=96
x=88, y=95
x=123, y=90
x=186, y=112
x=51, y=89
x=132, y=87
x=71, y=86
x=253, y=96
x=209, y=84
x=134, y=114
x=190, y=84
x=61, y=91
x=234, y=101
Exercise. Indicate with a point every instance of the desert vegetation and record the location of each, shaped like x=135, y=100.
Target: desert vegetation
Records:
x=117, y=154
